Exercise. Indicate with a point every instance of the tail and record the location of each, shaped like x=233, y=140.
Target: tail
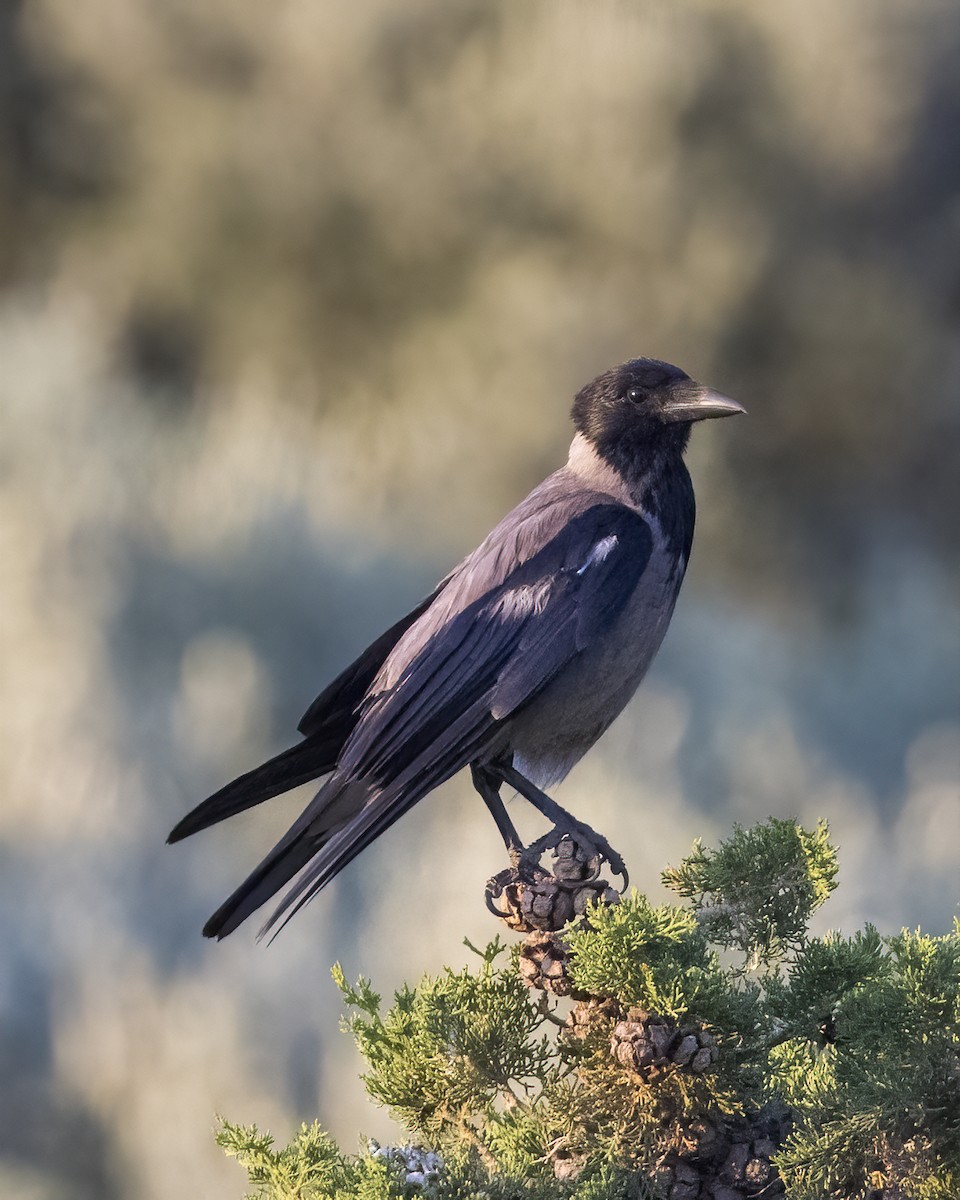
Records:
x=278, y=868
x=332, y=809
x=308, y=760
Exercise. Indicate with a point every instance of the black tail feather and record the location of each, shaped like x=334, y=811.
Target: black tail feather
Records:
x=278, y=868
x=332, y=809
x=373, y=812
x=300, y=764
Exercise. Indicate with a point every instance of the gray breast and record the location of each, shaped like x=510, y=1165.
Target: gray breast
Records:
x=556, y=729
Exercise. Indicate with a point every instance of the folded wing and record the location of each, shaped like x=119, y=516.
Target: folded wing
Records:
x=450, y=702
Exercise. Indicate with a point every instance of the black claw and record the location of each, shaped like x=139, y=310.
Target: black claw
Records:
x=597, y=849
x=494, y=889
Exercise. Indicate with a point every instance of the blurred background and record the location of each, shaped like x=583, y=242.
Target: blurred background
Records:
x=273, y=278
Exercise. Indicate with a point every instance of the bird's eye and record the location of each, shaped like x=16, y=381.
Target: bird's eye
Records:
x=635, y=395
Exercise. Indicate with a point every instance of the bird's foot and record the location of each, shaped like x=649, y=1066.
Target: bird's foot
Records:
x=527, y=896
x=565, y=824
x=579, y=853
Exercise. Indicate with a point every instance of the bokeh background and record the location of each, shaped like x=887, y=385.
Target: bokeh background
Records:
x=293, y=298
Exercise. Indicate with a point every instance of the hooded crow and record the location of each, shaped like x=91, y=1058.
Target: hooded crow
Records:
x=514, y=665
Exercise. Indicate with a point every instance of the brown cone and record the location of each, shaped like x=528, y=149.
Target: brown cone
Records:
x=544, y=963
x=586, y=1015
x=539, y=900
x=647, y=1044
x=731, y=1158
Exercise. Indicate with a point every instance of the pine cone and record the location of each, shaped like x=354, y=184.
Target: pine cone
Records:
x=588, y=1013
x=573, y=863
x=746, y=1170
x=647, y=1044
x=678, y=1180
x=544, y=963
x=421, y=1167
x=543, y=904
x=539, y=900
x=730, y=1159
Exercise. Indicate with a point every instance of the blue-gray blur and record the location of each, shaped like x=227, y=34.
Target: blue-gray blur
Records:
x=293, y=298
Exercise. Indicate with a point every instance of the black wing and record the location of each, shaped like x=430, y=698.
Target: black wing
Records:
x=343, y=696
x=448, y=705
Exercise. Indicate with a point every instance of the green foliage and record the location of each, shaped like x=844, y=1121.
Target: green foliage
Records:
x=654, y=956
x=859, y=1035
x=658, y=958
x=757, y=891
x=882, y=1103
x=448, y=1049
x=826, y=974
x=310, y=1168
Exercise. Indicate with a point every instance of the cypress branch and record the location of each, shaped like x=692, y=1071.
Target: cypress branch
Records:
x=709, y=1049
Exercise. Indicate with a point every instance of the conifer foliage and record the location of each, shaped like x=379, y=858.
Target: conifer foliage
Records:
x=710, y=1049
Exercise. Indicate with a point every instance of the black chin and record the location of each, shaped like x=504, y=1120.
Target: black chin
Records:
x=633, y=447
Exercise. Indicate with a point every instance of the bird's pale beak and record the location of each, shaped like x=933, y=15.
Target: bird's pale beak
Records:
x=696, y=403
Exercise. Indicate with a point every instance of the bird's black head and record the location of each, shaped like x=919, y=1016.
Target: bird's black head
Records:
x=643, y=409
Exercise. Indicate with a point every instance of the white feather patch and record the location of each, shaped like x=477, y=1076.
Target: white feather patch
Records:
x=600, y=551
x=524, y=601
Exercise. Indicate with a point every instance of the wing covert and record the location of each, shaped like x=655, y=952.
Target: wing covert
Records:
x=496, y=655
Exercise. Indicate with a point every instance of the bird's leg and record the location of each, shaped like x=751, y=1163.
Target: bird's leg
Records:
x=488, y=784
x=565, y=824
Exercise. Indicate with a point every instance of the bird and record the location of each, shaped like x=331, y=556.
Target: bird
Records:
x=514, y=665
